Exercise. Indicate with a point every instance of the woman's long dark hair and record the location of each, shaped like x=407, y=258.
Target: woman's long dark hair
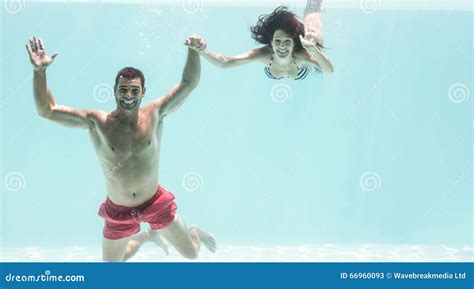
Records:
x=282, y=19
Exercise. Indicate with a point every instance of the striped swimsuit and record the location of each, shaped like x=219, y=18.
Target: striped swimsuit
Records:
x=302, y=72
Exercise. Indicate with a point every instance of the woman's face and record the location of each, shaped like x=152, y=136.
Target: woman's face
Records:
x=282, y=43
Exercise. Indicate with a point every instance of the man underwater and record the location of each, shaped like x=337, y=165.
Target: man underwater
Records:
x=129, y=138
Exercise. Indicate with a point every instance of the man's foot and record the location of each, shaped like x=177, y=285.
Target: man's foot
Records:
x=206, y=239
x=156, y=238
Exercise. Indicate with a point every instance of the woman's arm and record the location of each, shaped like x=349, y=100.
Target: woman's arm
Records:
x=222, y=61
x=314, y=37
x=314, y=56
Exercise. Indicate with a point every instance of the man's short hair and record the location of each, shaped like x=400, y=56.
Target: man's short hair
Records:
x=130, y=73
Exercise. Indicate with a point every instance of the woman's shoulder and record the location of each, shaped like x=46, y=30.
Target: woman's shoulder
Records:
x=264, y=53
x=302, y=55
x=305, y=59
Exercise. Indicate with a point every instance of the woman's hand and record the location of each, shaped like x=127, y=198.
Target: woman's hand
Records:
x=196, y=43
x=315, y=56
x=310, y=40
x=38, y=57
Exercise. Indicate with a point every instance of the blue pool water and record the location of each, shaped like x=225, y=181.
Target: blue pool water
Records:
x=373, y=162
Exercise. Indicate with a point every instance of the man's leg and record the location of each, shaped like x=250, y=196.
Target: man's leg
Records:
x=138, y=240
x=187, y=241
x=114, y=250
x=312, y=19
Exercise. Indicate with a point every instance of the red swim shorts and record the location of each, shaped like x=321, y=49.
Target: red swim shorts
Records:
x=122, y=221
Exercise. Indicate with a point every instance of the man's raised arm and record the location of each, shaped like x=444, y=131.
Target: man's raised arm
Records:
x=45, y=104
x=191, y=75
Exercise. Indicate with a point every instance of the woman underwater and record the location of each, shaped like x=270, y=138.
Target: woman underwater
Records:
x=290, y=48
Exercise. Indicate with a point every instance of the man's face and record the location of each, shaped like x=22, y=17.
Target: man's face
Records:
x=129, y=93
